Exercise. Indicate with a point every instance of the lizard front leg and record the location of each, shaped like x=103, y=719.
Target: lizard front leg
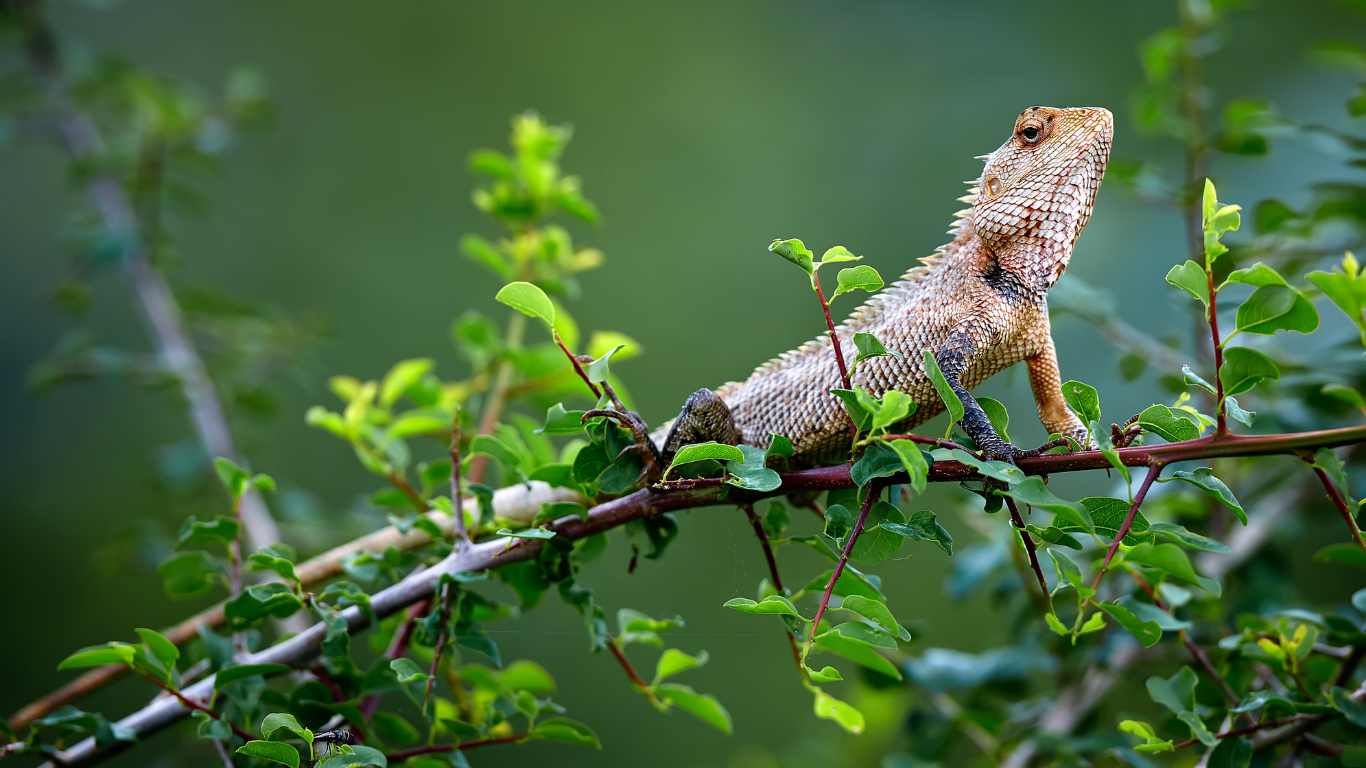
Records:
x=953, y=360
x=1046, y=382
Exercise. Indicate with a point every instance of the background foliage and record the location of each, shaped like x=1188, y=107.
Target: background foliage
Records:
x=349, y=258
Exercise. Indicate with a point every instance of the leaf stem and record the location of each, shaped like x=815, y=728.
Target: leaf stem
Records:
x=578, y=367
x=626, y=666
x=438, y=749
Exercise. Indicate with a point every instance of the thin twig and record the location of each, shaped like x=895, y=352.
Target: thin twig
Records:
x=1195, y=650
x=629, y=669
x=197, y=707
x=438, y=749
x=1030, y=549
x=1153, y=471
x=773, y=577
x=1338, y=501
x=874, y=489
x=457, y=491
x=578, y=367
x=441, y=637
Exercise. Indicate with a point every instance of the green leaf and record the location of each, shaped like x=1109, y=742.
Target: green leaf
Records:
x=1167, y=424
x=913, y=462
x=1244, y=369
x=868, y=347
x=1231, y=753
x=99, y=656
x=232, y=674
x=284, y=721
x=1067, y=570
x=828, y=707
x=529, y=300
x=352, y=755
x=701, y=706
x=998, y=470
x=996, y=414
x=771, y=604
x=1328, y=461
x=836, y=254
x=275, y=560
x=1151, y=743
x=923, y=526
x=401, y=377
x=1341, y=553
x=1237, y=412
x=712, y=451
x=1033, y=492
x=559, y=421
x=779, y=447
x=878, y=460
x=407, y=670
x=1095, y=623
x=1055, y=624
x=527, y=533
x=1189, y=539
x=1172, y=562
x=198, y=534
x=858, y=404
x=233, y=477
x=161, y=648
x=261, y=601
x=562, y=729
x=1083, y=399
x=1177, y=693
x=1194, y=379
x=941, y=385
x=1217, y=220
x=674, y=661
x=857, y=651
x=751, y=474
x=1146, y=632
x=1190, y=277
x=894, y=407
x=1204, y=479
x=877, y=612
x=795, y=251
x=1273, y=308
x=271, y=751
x=1346, y=289
x=826, y=674
x=1346, y=394
x=1354, y=711
x=600, y=369
x=187, y=574
x=860, y=278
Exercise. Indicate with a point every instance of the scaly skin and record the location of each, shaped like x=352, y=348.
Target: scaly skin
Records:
x=978, y=304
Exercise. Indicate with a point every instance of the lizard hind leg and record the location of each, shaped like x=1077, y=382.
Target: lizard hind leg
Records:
x=704, y=418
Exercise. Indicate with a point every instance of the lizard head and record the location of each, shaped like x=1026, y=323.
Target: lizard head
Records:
x=1037, y=190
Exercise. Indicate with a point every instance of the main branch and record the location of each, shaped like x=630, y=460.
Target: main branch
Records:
x=500, y=551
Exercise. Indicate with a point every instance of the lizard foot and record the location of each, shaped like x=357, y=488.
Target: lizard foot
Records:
x=649, y=454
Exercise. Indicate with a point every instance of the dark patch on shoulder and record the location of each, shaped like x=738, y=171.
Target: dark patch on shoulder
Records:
x=1009, y=286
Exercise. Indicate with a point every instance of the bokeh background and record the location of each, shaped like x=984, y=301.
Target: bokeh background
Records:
x=702, y=130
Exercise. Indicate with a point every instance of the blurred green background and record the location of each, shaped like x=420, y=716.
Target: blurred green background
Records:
x=702, y=130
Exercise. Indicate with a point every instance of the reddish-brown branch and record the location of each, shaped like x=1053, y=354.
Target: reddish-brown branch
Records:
x=1222, y=412
x=874, y=490
x=1030, y=549
x=1154, y=470
x=830, y=324
x=439, y=749
x=646, y=502
x=1255, y=727
x=578, y=367
x=631, y=674
x=410, y=493
x=1338, y=501
x=773, y=577
x=190, y=703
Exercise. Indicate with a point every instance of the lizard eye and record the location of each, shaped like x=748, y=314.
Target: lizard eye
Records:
x=1032, y=132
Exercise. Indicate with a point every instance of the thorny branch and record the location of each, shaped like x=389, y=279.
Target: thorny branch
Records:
x=1018, y=521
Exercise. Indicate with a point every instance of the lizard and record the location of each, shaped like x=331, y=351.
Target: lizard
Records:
x=978, y=304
